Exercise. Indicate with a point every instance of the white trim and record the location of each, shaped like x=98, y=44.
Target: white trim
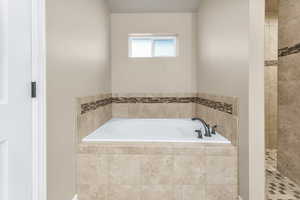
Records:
x=4, y=52
x=75, y=197
x=39, y=104
x=3, y=169
x=256, y=101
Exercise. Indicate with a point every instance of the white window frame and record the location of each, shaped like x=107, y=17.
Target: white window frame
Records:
x=152, y=37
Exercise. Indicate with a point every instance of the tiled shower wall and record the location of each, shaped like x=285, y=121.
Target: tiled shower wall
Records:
x=288, y=91
x=271, y=67
x=216, y=110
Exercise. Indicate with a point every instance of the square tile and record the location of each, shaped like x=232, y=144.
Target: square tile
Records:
x=157, y=170
x=124, y=169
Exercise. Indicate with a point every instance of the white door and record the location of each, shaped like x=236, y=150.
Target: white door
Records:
x=15, y=100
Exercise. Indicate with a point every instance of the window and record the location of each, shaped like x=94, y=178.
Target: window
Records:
x=148, y=46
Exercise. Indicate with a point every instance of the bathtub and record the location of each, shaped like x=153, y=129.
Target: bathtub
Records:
x=152, y=130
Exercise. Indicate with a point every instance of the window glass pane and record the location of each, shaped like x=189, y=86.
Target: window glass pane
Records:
x=141, y=47
x=164, y=47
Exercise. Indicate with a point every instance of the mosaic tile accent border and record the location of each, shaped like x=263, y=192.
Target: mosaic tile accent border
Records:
x=289, y=50
x=220, y=106
x=154, y=99
x=271, y=63
x=87, y=107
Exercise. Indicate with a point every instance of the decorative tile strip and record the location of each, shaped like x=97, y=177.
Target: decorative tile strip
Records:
x=153, y=99
x=103, y=102
x=271, y=63
x=289, y=50
x=87, y=107
x=220, y=106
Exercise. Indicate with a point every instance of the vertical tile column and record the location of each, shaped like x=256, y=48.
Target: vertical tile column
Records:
x=271, y=67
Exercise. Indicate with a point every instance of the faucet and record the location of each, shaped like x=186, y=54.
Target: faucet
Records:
x=199, y=134
x=206, y=126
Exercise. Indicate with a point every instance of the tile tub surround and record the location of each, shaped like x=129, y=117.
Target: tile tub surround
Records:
x=217, y=102
x=217, y=110
x=167, y=105
x=288, y=90
x=140, y=171
x=92, y=112
x=227, y=123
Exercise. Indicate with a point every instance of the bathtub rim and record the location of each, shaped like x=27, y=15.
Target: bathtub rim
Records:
x=149, y=141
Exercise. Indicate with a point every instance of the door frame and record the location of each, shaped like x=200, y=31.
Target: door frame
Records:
x=39, y=137
x=256, y=100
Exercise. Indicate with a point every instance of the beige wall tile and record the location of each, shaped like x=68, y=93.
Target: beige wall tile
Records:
x=289, y=20
x=134, y=110
x=271, y=106
x=120, y=110
x=157, y=170
x=221, y=151
x=152, y=111
x=221, y=192
x=102, y=192
x=188, y=150
x=87, y=192
x=125, y=149
x=153, y=192
x=87, y=174
x=102, y=169
x=124, y=169
x=158, y=149
x=124, y=192
x=221, y=170
x=189, y=170
x=227, y=124
x=93, y=119
x=87, y=148
x=272, y=6
x=193, y=192
x=172, y=110
x=112, y=171
x=85, y=125
x=187, y=110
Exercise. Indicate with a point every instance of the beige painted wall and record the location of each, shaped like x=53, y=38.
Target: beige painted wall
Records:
x=153, y=75
x=223, y=66
x=77, y=65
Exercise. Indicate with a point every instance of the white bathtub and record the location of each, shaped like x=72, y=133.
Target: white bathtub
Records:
x=152, y=130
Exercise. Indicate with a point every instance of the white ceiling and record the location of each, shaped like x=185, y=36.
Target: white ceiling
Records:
x=138, y=6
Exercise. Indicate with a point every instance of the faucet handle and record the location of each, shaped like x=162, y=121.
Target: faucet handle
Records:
x=200, y=136
x=213, y=129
